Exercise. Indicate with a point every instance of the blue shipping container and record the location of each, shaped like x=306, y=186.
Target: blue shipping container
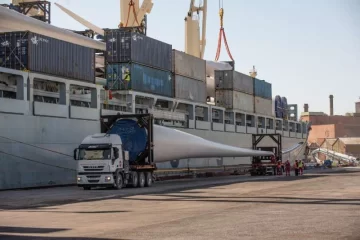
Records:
x=142, y=79
x=263, y=89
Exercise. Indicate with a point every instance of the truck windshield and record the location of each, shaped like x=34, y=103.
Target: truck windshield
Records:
x=94, y=154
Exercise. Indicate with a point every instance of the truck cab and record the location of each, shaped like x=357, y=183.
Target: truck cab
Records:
x=103, y=162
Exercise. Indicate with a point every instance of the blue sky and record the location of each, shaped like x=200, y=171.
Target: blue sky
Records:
x=307, y=49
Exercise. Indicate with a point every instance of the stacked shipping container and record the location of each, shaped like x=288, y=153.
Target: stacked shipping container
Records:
x=189, y=76
x=234, y=90
x=146, y=61
x=263, y=97
x=42, y=54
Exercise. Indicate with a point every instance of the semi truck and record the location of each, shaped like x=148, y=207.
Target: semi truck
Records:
x=121, y=155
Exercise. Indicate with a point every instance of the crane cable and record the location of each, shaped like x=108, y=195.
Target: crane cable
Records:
x=222, y=34
x=131, y=5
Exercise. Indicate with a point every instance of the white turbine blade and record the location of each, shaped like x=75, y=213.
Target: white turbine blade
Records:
x=81, y=20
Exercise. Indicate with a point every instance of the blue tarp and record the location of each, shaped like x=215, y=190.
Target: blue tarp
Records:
x=133, y=137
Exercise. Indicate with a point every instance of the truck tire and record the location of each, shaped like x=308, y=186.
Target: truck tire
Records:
x=142, y=179
x=119, y=181
x=149, y=180
x=134, y=179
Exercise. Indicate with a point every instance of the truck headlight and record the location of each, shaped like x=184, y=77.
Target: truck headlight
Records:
x=107, y=179
x=79, y=179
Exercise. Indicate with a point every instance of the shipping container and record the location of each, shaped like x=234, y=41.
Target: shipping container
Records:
x=188, y=66
x=189, y=89
x=42, y=54
x=264, y=106
x=142, y=79
x=124, y=46
x=234, y=100
x=262, y=89
x=232, y=80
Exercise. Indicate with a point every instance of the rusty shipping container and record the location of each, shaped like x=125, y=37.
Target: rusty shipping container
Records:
x=42, y=54
x=135, y=47
x=188, y=66
x=264, y=106
x=189, y=89
x=232, y=80
x=234, y=100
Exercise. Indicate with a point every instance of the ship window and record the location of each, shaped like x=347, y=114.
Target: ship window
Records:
x=278, y=125
x=269, y=123
x=286, y=126
x=229, y=118
x=240, y=119
x=250, y=120
x=261, y=122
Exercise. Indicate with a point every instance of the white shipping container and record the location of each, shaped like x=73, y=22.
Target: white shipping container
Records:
x=234, y=100
x=190, y=89
x=264, y=106
x=188, y=66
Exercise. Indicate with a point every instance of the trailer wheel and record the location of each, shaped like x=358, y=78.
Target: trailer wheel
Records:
x=141, y=179
x=134, y=179
x=149, y=179
x=119, y=182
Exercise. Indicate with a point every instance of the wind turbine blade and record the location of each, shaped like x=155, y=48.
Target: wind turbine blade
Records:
x=81, y=20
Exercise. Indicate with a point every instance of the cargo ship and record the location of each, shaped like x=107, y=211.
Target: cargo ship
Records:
x=49, y=101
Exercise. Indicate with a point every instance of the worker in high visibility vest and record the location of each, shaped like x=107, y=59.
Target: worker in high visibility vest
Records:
x=127, y=77
x=301, y=167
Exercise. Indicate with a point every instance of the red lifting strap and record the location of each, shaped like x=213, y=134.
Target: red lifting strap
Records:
x=131, y=5
x=222, y=34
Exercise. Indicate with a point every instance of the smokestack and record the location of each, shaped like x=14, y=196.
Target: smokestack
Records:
x=331, y=105
x=306, y=107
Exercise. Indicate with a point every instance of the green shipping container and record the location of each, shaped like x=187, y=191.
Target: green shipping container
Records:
x=142, y=79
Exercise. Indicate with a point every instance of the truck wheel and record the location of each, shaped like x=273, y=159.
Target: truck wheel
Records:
x=134, y=179
x=148, y=177
x=141, y=179
x=119, y=182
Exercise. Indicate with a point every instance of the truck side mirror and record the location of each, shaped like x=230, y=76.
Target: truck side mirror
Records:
x=75, y=154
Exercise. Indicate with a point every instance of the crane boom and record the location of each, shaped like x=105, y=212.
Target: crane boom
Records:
x=193, y=44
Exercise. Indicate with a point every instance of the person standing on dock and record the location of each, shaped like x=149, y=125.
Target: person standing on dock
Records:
x=301, y=167
x=296, y=167
x=287, y=167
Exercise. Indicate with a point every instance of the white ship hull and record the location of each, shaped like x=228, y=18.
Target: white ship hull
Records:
x=30, y=126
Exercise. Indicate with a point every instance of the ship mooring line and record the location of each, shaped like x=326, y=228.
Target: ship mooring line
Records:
x=64, y=154
x=31, y=160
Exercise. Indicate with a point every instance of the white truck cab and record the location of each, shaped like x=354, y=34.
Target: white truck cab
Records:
x=101, y=162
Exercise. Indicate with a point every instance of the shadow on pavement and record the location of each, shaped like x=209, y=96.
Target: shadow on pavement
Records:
x=187, y=186
x=14, y=237
x=25, y=230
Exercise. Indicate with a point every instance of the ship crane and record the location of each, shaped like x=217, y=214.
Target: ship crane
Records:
x=222, y=34
x=193, y=44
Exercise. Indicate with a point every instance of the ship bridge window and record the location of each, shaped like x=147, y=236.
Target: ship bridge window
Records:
x=250, y=120
x=240, y=119
x=81, y=96
x=217, y=116
x=278, y=124
x=285, y=125
x=229, y=118
x=7, y=94
x=201, y=113
x=292, y=126
x=261, y=122
x=298, y=127
x=187, y=109
x=269, y=123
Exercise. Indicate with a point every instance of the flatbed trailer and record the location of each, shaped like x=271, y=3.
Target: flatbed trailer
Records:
x=266, y=165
